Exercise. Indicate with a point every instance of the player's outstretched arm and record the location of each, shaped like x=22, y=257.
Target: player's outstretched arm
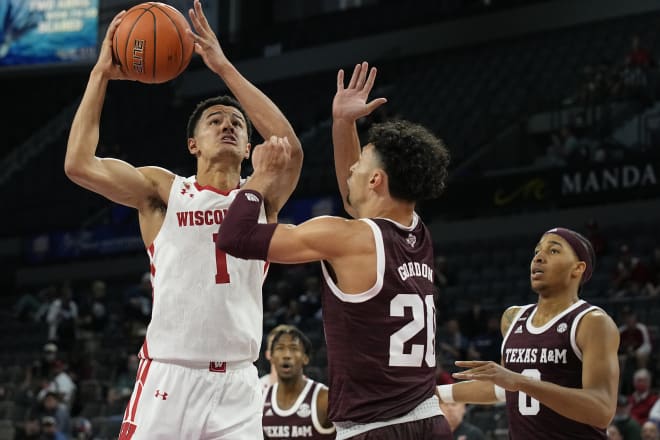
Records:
x=112, y=178
x=349, y=105
x=262, y=111
x=595, y=402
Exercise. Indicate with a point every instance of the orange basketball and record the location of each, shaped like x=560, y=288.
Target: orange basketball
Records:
x=151, y=43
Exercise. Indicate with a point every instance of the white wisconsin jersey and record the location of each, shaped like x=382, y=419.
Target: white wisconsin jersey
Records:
x=207, y=306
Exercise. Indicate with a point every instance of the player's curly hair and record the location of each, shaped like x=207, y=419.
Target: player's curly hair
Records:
x=414, y=159
x=217, y=100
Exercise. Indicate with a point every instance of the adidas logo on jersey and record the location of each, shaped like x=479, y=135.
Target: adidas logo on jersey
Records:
x=519, y=329
x=251, y=197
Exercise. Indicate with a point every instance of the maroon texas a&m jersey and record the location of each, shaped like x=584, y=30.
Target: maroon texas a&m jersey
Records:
x=301, y=420
x=380, y=343
x=548, y=353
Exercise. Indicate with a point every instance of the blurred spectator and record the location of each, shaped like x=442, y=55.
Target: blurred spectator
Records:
x=654, y=413
x=650, y=431
x=486, y=345
x=82, y=429
x=44, y=366
x=462, y=430
x=293, y=316
x=442, y=276
x=50, y=430
x=643, y=398
x=62, y=384
x=630, y=273
x=137, y=305
x=626, y=426
x=93, y=310
x=274, y=313
x=125, y=380
x=61, y=318
x=27, y=307
x=652, y=287
x=613, y=433
x=50, y=405
x=452, y=344
x=30, y=429
x=310, y=300
x=635, y=343
x=637, y=62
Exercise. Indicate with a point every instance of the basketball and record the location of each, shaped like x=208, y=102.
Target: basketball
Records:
x=151, y=43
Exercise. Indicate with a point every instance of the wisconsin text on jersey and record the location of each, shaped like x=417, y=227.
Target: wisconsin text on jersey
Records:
x=527, y=355
x=415, y=269
x=200, y=218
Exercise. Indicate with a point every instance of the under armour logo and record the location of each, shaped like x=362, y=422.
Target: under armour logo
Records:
x=269, y=412
x=252, y=197
x=161, y=395
x=519, y=329
x=561, y=328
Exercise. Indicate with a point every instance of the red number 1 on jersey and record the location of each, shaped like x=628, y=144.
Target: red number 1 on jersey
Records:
x=221, y=274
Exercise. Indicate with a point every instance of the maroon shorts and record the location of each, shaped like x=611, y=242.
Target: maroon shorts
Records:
x=431, y=428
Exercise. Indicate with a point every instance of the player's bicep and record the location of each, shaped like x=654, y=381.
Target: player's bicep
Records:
x=598, y=339
x=322, y=238
x=121, y=182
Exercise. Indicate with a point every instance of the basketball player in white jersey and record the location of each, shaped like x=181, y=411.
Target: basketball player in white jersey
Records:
x=196, y=377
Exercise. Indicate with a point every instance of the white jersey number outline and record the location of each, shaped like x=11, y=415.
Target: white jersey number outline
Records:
x=420, y=320
x=528, y=406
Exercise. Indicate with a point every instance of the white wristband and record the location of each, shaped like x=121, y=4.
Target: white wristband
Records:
x=446, y=393
x=500, y=393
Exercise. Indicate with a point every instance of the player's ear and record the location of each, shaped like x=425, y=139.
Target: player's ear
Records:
x=248, y=148
x=192, y=146
x=305, y=360
x=579, y=269
x=377, y=178
x=267, y=355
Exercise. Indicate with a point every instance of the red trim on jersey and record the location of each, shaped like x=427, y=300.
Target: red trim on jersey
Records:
x=127, y=431
x=138, y=392
x=144, y=351
x=215, y=190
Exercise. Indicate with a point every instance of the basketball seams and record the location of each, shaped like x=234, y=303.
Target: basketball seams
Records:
x=128, y=38
x=178, y=32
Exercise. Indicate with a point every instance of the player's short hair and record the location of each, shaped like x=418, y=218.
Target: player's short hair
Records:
x=295, y=333
x=414, y=159
x=275, y=330
x=217, y=100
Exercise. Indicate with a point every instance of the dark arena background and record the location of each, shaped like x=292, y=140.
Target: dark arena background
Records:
x=551, y=111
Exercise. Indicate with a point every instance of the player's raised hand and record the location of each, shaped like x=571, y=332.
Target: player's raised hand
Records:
x=106, y=64
x=206, y=41
x=489, y=371
x=350, y=102
x=272, y=156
